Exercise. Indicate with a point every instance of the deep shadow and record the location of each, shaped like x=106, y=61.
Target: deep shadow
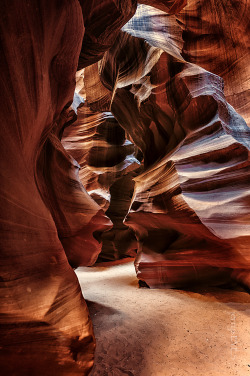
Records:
x=118, y=348
x=104, y=317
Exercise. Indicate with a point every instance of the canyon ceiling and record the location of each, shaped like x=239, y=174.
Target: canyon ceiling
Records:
x=151, y=160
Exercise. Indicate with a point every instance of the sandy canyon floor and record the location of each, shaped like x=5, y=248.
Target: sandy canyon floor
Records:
x=156, y=332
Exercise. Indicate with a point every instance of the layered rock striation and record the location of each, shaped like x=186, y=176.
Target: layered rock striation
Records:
x=156, y=162
x=48, y=221
x=190, y=206
x=108, y=164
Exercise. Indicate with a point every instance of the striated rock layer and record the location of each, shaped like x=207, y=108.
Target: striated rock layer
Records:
x=48, y=221
x=155, y=127
x=215, y=36
x=107, y=165
x=190, y=208
x=45, y=327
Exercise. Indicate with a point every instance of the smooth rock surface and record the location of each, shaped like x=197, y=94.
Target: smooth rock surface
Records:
x=161, y=142
x=190, y=207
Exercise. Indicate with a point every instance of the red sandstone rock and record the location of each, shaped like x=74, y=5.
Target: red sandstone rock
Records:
x=162, y=80
x=107, y=162
x=190, y=206
x=168, y=6
x=47, y=218
x=215, y=36
x=102, y=21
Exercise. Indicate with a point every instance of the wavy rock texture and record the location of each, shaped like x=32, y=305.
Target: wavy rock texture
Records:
x=161, y=80
x=107, y=163
x=103, y=21
x=190, y=208
x=47, y=218
x=215, y=37
x=169, y=6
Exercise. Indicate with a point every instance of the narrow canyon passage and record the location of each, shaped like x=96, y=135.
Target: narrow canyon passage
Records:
x=124, y=138
x=164, y=332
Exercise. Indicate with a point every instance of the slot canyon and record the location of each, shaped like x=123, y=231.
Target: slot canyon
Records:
x=125, y=187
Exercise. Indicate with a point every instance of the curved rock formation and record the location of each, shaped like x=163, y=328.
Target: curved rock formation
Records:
x=215, y=37
x=107, y=162
x=190, y=207
x=185, y=146
x=47, y=218
x=102, y=21
x=168, y=6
